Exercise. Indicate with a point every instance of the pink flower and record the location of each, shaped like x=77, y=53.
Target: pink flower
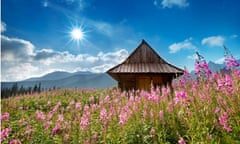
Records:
x=217, y=110
x=231, y=62
x=60, y=118
x=50, y=115
x=220, y=83
x=84, y=121
x=151, y=114
x=228, y=81
x=123, y=118
x=56, y=107
x=47, y=124
x=56, y=129
x=78, y=106
x=223, y=119
x=103, y=114
x=15, y=142
x=152, y=132
x=209, y=137
x=144, y=114
x=21, y=121
x=181, y=94
x=5, y=116
x=4, y=133
x=40, y=115
x=91, y=99
x=161, y=114
x=197, y=67
x=205, y=65
x=181, y=141
x=95, y=137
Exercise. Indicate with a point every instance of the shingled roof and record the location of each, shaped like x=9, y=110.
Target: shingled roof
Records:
x=144, y=60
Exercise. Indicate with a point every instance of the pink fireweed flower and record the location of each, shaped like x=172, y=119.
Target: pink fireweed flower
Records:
x=60, y=118
x=86, y=109
x=103, y=114
x=228, y=81
x=91, y=99
x=144, y=114
x=152, y=132
x=55, y=109
x=179, y=95
x=4, y=134
x=56, y=129
x=15, y=142
x=50, y=115
x=223, y=119
x=209, y=137
x=217, y=110
x=95, y=137
x=84, y=121
x=21, y=121
x=181, y=141
x=231, y=62
x=220, y=83
x=151, y=114
x=47, y=124
x=161, y=114
x=198, y=67
x=205, y=65
x=5, y=116
x=78, y=106
x=40, y=115
x=208, y=72
x=165, y=91
x=122, y=118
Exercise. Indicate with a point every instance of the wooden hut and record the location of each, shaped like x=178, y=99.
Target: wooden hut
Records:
x=142, y=68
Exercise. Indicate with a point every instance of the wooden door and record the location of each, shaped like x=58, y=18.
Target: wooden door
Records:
x=144, y=83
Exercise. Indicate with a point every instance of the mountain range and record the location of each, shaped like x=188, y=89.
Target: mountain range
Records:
x=60, y=79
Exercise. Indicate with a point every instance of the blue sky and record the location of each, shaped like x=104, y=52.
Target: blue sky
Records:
x=36, y=34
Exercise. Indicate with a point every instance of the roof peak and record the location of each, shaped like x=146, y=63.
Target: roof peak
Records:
x=145, y=56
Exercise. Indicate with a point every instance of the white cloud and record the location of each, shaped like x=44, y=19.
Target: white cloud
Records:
x=21, y=60
x=19, y=72
x=171, y=3
x=101, y=68
x=220, y=60
x=3, y=27
x=213, y=41
x=186, y=44
x=192, y=57
x=15, y=49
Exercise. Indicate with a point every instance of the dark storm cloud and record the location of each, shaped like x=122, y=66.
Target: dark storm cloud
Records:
x=16, y=49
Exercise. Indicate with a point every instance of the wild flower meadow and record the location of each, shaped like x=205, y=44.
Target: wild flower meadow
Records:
x=205, y=110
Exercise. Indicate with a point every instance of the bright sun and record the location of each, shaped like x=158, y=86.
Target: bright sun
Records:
x=77, y=34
